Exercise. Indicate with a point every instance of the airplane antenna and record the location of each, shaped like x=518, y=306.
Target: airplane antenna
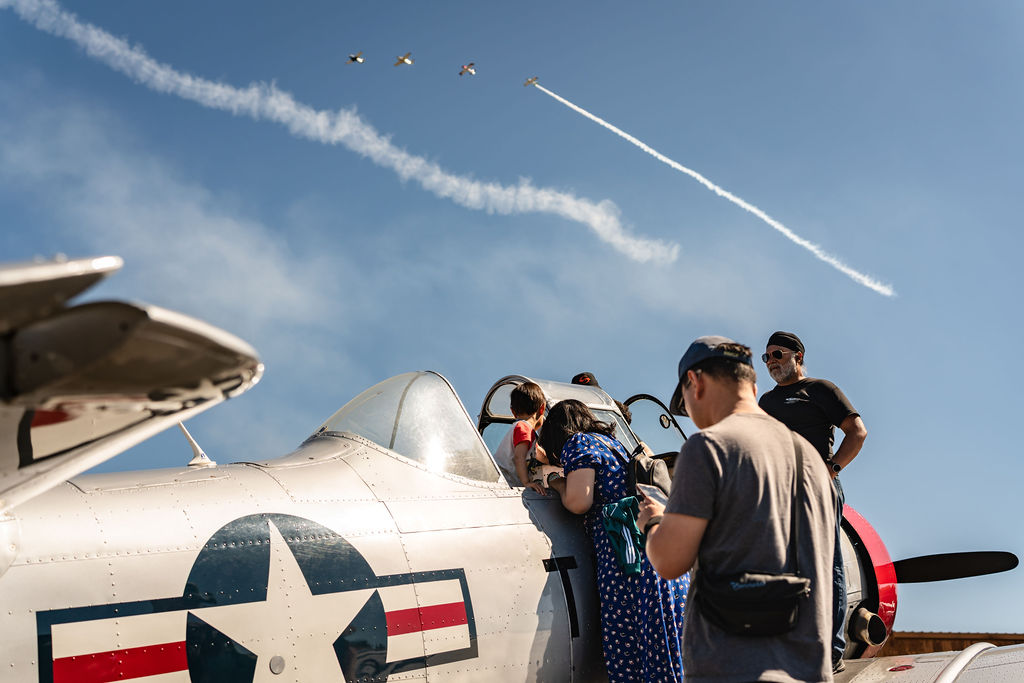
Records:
x=199, y=458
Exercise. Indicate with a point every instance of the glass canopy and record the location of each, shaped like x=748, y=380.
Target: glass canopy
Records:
x=418, y=415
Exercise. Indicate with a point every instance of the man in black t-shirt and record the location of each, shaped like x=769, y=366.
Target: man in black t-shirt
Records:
x=813, y=408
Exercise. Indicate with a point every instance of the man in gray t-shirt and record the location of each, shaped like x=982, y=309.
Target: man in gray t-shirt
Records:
x=729, y=511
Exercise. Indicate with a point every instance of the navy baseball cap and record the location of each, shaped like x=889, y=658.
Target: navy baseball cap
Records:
x=701, y=349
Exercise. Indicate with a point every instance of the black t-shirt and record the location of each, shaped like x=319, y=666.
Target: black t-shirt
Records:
x=811, y=408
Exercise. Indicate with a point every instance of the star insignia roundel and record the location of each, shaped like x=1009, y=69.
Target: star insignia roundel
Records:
x=281, y=598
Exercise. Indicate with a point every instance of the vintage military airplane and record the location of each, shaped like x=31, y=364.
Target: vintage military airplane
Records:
x=404, y=59
x=357, y=58
x=530, y=81
x=468, y=69
x=387, y=546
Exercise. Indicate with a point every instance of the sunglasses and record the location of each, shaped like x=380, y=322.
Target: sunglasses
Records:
x=777, y=354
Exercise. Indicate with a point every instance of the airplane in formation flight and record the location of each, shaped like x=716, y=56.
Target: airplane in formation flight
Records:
x=357, y=58
x=386, y=546
x=404, y=59
x=468, y=69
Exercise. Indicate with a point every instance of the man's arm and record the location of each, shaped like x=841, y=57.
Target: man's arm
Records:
x=672, y=545
x=854, y=433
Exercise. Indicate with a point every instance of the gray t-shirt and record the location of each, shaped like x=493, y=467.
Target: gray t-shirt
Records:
x=739, y=475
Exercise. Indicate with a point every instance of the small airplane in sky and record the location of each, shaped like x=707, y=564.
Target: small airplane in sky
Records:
x=404, y=59
x=388, y=543
x=357, y=58
x=530, y=81
x=468, y=69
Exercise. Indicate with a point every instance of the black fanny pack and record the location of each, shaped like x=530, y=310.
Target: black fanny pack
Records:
x=758, y=604
x=752, y=604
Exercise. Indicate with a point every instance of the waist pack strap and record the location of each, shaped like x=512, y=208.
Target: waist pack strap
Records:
x=797, y=506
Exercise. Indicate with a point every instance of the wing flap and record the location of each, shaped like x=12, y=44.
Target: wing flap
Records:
x=88, y=382
x=33, y=291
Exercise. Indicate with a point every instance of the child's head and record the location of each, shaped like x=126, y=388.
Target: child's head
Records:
x=527, y=400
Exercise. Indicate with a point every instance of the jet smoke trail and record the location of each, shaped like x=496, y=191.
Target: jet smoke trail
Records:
x=344, y=127
x=857, y=276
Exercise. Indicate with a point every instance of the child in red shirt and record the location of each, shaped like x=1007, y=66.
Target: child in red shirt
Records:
x=520, y=445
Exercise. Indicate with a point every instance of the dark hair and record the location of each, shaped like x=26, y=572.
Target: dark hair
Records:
x=725, y=368
x=526, y=399
x=565, y=419
x=624, y=409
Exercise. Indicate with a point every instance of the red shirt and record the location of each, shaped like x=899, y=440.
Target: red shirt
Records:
x=522, y=432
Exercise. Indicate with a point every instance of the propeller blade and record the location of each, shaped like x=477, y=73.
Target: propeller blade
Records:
x=946, y=566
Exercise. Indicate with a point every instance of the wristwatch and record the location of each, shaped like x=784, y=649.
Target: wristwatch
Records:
x=651, y=523
x=834, y=466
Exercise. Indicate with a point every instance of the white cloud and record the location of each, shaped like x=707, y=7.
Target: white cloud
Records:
x=185, y=248
x=343, y=127
x=331, y=323
x=180, y=244
x=819, y=253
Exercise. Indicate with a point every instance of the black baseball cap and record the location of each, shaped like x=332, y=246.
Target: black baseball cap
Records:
x=701, y=349
x=586, y=378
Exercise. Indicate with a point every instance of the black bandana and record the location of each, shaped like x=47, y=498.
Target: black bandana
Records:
x=786, y=340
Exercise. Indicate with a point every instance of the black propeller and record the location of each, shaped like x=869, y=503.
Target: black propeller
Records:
x=946, y=566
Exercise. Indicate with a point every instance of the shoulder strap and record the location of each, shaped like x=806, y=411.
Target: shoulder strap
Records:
x=797, y=504
x=624, y=459
x=628, y=465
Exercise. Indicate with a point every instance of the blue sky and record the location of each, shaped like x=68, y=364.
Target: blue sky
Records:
x=887, y=134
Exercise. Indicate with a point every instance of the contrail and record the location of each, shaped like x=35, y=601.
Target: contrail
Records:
x=857, y=276
x=343, y=127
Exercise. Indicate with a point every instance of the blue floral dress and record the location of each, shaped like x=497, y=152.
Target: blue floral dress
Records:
x=641, y=614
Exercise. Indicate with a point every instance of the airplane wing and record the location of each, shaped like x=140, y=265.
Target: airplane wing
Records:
x=81, y=384
x=35, y=290
x=979, y=663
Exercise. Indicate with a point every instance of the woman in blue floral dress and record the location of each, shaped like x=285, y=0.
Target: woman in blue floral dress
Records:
x=641, y=614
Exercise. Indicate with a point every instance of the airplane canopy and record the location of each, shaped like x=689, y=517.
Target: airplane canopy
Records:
x=419, y=416
x=497, y=413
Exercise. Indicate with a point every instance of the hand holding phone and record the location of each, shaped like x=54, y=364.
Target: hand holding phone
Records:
x=653, y=493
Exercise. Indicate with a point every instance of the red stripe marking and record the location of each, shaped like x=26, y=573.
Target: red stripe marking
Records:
x=41, y=418
x=426, y=618
x=119, y=665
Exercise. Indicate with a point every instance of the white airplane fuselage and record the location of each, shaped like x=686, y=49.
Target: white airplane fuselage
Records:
x=388, y=568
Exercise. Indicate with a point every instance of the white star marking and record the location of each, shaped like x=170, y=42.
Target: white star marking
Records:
x=292, y=622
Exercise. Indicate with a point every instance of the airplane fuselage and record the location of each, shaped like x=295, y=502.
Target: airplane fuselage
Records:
x=184, y=572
